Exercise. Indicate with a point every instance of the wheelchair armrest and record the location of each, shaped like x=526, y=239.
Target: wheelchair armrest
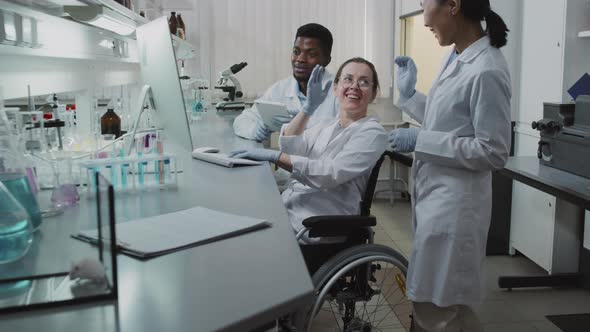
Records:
x=337, y=225
x=401, y=158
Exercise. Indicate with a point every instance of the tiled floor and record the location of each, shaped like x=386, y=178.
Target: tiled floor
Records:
x=521, y=310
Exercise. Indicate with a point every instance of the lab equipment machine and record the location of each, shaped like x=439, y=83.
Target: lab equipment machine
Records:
x=232, y=102
x=565, y=136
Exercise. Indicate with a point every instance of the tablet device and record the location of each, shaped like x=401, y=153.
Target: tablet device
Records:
x=268, y=110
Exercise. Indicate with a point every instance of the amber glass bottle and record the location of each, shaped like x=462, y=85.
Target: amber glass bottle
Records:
x=110, y=123
x=181, y=28
x=173, y=23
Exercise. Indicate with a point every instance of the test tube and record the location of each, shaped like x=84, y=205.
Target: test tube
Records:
x=124, y=175
x=113, y=175
x=123, y=169
x=92, y=175
x=140, y=147
x=159, y=164
x=140, y=179
x=167, y=174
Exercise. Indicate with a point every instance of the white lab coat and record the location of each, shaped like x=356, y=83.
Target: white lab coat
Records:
x=465, y=135
x=330, y=176
x=285, y=91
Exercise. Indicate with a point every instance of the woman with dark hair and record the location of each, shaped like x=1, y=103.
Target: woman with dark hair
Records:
x=465, y=134
x=332, y=159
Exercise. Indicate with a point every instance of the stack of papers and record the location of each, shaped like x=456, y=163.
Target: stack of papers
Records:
x=166, y=233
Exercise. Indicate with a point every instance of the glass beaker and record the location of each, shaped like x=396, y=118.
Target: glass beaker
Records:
x=16, y=231
x=64, y=192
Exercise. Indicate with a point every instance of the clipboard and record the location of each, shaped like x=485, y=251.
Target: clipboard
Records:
x=163, y=234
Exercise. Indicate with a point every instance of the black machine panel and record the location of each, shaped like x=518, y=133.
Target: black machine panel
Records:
x=565, y=136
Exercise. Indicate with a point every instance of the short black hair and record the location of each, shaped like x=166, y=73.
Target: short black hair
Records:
x=319, y=32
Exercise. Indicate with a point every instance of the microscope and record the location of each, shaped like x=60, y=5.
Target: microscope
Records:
x=235, y=90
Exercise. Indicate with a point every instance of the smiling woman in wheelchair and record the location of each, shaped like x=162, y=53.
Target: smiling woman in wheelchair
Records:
x=332, y=159
x=359, y=286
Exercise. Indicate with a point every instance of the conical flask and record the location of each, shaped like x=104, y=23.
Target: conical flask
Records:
x=13, y=173
x=16, y=230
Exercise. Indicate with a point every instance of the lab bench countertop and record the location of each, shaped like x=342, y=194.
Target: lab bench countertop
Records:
x=562, y=184
x=235, y=284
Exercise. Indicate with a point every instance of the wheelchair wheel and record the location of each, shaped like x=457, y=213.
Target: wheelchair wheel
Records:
x=361, y=289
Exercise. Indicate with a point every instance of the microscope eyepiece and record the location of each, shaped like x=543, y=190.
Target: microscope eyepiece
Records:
x=237, y=67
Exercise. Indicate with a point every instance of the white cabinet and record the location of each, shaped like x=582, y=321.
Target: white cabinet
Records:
x=541, y=57
x=545, y=229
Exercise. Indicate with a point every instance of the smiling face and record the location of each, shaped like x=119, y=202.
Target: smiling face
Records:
x=307, y=52
x=438, y=17
x=354, y=89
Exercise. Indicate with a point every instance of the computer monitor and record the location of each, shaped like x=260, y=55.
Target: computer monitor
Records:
x=159, y=71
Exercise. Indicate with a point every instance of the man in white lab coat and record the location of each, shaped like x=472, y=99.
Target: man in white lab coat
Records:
x=312, y=46
x=465, y=135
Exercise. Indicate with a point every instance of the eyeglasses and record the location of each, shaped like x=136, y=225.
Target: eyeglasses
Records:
x=348, y=81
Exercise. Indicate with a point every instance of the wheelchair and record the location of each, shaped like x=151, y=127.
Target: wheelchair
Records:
x=358, y=285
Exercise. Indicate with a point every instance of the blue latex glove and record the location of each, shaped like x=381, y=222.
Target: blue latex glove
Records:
x=403, y=139
x=262, y=133
x=315, y=93
x=257, y=154
x=407, y=76
x=280, y=120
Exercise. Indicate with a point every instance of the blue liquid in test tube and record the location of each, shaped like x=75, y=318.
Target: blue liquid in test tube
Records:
x=124, y=175
x=140, y=170
x=113, y=175
x=143, y=165
x=93, y=172
x=156, y=171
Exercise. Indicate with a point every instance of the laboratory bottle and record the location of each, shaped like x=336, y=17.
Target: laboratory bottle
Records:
x=16, y=231
x=181, y=28
x=110, y=122
x=13, y=172
x=173, y=23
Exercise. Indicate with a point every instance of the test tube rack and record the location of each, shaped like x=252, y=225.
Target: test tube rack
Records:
x=133, y=173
